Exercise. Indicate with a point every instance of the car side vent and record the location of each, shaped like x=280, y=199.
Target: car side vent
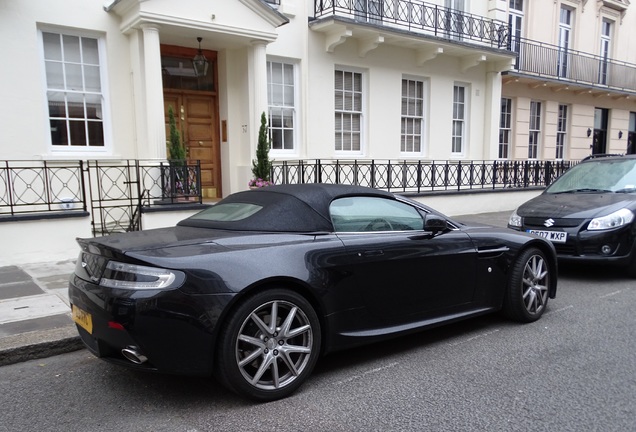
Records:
x=491, y=251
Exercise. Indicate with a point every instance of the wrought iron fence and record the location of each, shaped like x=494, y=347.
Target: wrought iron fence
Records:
x=422, y=176
x=28, y=187
x=119, y=190
x=551, y=61
x=419, y=16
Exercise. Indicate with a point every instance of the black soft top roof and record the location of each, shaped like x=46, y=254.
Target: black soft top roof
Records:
x=287, y=208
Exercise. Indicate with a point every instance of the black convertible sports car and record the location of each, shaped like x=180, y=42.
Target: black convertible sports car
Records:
x=255, y=288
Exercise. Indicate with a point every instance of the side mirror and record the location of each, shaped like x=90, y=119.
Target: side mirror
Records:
x=435, y=223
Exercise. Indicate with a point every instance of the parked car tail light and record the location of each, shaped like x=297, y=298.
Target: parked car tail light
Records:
x=131, y=276
x=614, y=220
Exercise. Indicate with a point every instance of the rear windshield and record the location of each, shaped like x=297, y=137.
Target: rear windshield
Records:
x=598, y=176
x=228, y=212
x=260, y=211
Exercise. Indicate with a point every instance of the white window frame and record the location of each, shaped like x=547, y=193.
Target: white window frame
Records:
x=74, y=150
x=565, y=40
x=457, y=8
x=410, y=117
x=562, y=131
x=460, y=122
x=360, y=113
x=515, y=20
x=607, y=28
x=277, y=106
x=505, y=129
x=368, y=11
x=534, y=130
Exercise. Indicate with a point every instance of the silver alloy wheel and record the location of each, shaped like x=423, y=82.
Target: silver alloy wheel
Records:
x=535, y=284
x=274, y=345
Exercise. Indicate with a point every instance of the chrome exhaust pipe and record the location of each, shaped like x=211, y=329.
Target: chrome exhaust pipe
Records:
x=132, y=353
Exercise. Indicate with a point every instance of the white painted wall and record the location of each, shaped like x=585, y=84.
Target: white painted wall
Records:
x=22, y=80
x=41, y=240
x=382, y=86
x=541, y=23
x=164, y=219
x=476, y=203
x=54, y=239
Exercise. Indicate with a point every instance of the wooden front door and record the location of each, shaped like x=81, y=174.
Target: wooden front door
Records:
x=195, y=105
x=197, y=121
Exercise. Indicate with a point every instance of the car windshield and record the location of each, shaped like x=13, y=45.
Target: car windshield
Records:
x=603, y=175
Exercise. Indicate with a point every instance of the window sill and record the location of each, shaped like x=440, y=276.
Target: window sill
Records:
x=44, y=216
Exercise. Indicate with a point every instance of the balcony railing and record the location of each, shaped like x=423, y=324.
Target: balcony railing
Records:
x=422, y=176
x=551, y=61
x=418, y=17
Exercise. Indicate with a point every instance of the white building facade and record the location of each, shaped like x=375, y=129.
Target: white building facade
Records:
x=346, y=80
x=572, y=91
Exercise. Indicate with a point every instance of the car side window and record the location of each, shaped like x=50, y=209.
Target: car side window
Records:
x=363, y=214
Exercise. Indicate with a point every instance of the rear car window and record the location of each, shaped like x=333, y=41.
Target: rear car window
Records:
x=228, y=212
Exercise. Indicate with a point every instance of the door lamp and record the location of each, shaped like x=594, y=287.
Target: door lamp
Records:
x=199, y=62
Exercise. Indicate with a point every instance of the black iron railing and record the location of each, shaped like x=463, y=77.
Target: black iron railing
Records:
x=115, y=192
x=180, y=181
x=551, y=61
x=28, y=187
x=422, y=176
x=419, y=17
x=120, y=190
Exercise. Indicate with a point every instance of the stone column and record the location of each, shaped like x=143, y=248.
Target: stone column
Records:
x=257, y=75
x=155, y=145
x=492, y=111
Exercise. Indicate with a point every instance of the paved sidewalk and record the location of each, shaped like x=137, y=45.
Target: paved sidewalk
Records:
x=35, y=316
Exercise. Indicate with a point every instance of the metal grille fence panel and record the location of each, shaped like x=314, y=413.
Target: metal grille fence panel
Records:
x=114, y=191
x=422, y=176
x=29, y=187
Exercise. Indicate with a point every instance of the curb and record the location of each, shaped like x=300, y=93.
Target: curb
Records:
x=39, y=344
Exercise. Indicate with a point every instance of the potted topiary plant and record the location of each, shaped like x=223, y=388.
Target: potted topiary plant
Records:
x=177, y=167
x=176, y=150
x=262, y=166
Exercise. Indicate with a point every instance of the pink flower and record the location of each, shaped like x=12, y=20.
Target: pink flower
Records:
x=259, y=182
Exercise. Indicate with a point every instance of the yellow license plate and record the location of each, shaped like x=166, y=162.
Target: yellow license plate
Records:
x=82, y=318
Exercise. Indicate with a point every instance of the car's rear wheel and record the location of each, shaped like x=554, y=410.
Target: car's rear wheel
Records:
x=527, y=295
x=269, y=346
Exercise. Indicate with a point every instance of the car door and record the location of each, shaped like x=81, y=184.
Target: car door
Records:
x=402, y=272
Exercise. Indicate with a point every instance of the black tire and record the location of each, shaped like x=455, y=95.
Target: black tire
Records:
x=631, y=268
x=526, y=296
x=262, y=360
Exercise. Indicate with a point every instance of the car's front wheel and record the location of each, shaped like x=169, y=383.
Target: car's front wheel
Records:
x=631, y=268
x=527, y=295
x=269, y=345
